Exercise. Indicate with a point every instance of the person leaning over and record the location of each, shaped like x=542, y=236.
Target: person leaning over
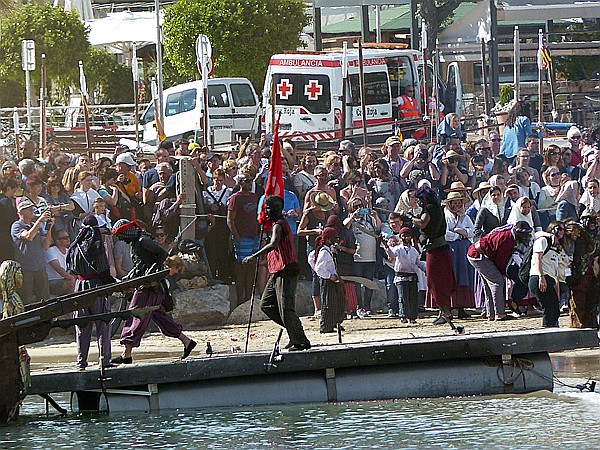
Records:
x=278, y=298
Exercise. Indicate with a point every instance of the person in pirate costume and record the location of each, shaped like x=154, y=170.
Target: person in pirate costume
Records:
x=147, y=257
x=86, y=258
x=584, y=280
x=441, y=283
x=322, y=261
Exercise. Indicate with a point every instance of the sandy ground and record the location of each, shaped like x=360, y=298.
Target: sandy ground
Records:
x=58, y=351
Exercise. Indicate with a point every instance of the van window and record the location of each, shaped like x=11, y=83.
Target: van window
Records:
x=217, y=96
x=242, y=95
x=148, y=115
x=377, y=90
x=400, y=74
x=180, y=102
x=312, y=92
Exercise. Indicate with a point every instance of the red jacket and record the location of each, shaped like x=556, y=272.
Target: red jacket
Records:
x=497, y=246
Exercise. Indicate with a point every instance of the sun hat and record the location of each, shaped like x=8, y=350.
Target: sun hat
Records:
x=392, y=140
x=321, y=200
x=457, y=186
x=484, y=185
x=24, y=204
x=455, y=195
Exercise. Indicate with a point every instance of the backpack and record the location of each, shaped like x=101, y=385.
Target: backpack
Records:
x=526, y=265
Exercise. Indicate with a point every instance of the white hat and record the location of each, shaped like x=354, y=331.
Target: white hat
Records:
x=126, y=158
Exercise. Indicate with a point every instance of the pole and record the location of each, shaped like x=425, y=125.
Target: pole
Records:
x=273, y=102
x=486, y=100
x=378, y=23
x=540, y=76
x=424, y=52
x=43, y=131
x=28, y=93
x=136, y=100
x=363, y=106
x=517, y=63
x=254, y=283
x=552, y=91
x=344, y=87
x=436, y=72
x=17, y=132
x=205, y=117
x=159, y=73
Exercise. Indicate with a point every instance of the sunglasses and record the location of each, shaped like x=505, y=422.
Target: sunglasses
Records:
x=355, y=181
x=575, y=137
x=555, y=174
x=160, y=234
x=496, y=140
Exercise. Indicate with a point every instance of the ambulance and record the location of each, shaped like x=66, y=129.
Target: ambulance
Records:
x=307, y=89
x=233, y=109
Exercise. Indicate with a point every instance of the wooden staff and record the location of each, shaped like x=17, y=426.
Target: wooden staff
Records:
x=363, y=106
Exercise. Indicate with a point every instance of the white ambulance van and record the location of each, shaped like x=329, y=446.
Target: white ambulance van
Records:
x=308, y=91
x=233, y=108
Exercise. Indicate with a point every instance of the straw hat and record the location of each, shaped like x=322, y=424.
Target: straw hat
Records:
x=455, y=195
x=484, y=185
x=457, y=186
x=452, y=154
x=321, y=200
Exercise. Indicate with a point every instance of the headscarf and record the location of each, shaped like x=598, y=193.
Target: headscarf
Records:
x=335, y=222
x=127, y=230
x=494, y=180
x=428, y=195
x=327, y=233
x=445, y=129
x=496, y=210
x=9, y=272
x=88, y=240
x=517, y=216
x=404, y=205
x=568, y=192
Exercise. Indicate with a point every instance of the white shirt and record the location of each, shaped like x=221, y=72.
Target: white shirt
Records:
x=406, y=260
x=550, y=261
x=453, y=222
x=325, y=265
x=52, y=254
x=85, y=199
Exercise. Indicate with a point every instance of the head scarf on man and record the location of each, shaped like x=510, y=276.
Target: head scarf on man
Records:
x=126, y=230
x=88, y=239
x=328, y=233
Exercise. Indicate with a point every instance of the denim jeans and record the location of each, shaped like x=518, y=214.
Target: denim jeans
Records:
x=365, y=270
x=390, y=289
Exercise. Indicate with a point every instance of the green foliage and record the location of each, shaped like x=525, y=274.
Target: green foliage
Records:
x=112, y=82
x=579, y=67
x=243, y=34
x=57, y=33
x=506, y=94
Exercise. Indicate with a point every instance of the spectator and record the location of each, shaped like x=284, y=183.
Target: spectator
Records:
x=84, y=196
x=395, y=162
x=162, y=239
x=527, y=187
x=419, y=168
x=365, y=225
x=590, y=200
x=305, y=179
x=127, y=180
x=478, y=195
x=151, y=176
x=491, y=213
x=574, y=137
x=383, y=184
x=31, y=243
x=344, y=260
x=516, y=128
x=71, y=174
x=322, y=175
x=355, y=190
x=243, y=224
x=522, y=161
x=547, y=198
x=8, y=214
x=230, y=167
x=553, y=157
x=567, y=201
x=452, y=171
x=61, y=205
x=60, y=282
x=535, y=159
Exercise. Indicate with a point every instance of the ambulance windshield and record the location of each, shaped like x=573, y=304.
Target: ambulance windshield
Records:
x=312, y=92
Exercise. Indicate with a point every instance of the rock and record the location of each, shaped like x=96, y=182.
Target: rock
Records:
x=203, y=306
x=304, y=306
x=195, y=283
x=193, y=267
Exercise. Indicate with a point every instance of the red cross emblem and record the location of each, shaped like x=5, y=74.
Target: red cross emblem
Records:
x=285, y=89
x=313, y=90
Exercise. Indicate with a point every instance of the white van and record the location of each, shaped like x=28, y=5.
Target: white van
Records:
x=233, y=108
x=308, y=91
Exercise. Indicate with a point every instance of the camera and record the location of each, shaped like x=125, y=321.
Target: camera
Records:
x=125, y=181
x=364, y=211
x=424, y=154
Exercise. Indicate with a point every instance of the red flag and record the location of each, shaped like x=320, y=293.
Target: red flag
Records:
x=274, y=185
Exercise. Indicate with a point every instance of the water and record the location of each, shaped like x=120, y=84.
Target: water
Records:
x=567, y=418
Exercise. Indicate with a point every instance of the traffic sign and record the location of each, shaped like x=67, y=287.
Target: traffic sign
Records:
x=210, y=67
x=203, y=48
x=28, y=55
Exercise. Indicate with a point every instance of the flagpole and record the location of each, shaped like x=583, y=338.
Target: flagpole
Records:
x=44, y=98
x=344, y=88
x=274, y=186
x=86, y=114
x=540, y=76
x=517, y=63
x=363, y=106
x=424, y=52
x=136, y=85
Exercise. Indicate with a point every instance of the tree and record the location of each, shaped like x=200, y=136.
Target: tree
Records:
x=57, y=33
x=436, y=13
x=243, y=34
x=107, y=80
x=579, y=67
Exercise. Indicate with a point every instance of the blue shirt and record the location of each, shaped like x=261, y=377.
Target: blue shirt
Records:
x=513, y=137
x=290, y=201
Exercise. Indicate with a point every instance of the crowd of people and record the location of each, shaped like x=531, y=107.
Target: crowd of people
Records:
x=448, y=225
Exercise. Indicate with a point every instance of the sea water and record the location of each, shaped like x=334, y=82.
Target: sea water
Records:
x=567, y=418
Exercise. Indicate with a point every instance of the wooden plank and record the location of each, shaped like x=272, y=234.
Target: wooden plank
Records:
x=11, y=376
x=322, y=358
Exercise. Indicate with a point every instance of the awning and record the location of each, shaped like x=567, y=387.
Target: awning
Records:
x=118, y=31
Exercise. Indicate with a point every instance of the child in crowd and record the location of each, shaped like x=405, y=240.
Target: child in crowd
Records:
x=406, y=265
x=101, y=214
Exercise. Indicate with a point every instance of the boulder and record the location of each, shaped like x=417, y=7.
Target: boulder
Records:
x=202, y=306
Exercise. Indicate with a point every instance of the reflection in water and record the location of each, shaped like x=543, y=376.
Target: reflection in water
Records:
x=567, y=418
